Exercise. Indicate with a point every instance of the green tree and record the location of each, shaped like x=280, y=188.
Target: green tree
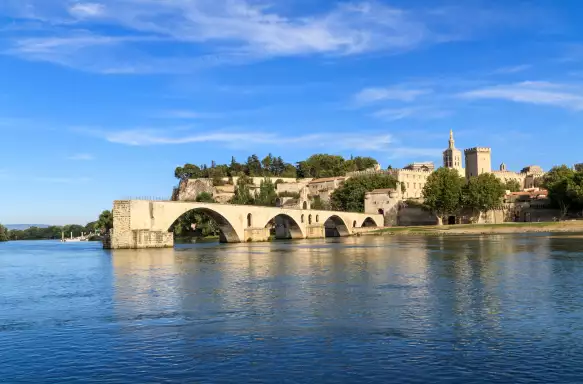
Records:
x=483, y=193
x=205, y=197
x=242, y=192
x=350, y=196
x=513, y=186
x=321, y=165
x=105, y=222
x=442, y=192
x=254, y=167
x=189, y=171
x=359, y=164
x=320, y=204
x=267, y=194
x=559, y=181
x=3, y=233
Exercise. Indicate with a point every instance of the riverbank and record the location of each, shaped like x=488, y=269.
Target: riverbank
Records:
x=469, y=229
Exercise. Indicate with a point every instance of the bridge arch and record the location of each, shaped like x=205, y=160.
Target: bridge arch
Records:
x=369, y=222
x=286, y=227
x=227, y=232
x=335, y=226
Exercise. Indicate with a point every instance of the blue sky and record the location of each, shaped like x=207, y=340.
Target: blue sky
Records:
x=101, y=100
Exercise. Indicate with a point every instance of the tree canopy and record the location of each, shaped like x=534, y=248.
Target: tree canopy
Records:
x=3, y=233
x=483, y=193
x=105, y=222
x=350, y=196
x=565, y=187
x=267, y=195
x=442, y=192
x=319, y=165
x=513, y=186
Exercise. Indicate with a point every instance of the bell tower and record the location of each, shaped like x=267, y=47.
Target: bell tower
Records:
x=452, y=157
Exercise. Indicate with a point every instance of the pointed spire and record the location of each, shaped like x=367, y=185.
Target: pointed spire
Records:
x=451, y=140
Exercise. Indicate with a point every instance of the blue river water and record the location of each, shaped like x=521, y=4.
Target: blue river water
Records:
x=467, y=309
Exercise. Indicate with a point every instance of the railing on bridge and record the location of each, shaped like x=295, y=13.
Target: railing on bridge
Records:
x=149, y=198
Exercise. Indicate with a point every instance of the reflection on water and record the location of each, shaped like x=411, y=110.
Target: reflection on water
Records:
x=398, y=309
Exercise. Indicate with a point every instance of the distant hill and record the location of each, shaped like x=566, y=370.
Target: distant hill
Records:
x=25, y=226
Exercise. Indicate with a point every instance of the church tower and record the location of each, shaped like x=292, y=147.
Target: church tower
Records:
x=452, y=157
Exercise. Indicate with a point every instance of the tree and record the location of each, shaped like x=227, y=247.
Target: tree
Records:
x=267, y=164
x=205, y=197
x=242, y=192
x=442, y=192
x=359, y=164
x=3, y=233
x=350, y=196
x=513, y=186
x=559, y=182
x=483, y=193
x=254, y=166
x=321, y=165
x=267, y=194
x=320, y=204
x=189, y=171
x=104, y=222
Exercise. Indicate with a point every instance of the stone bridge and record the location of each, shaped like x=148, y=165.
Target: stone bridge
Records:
x=146, y=224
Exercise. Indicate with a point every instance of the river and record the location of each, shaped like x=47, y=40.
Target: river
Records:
x=465, y=309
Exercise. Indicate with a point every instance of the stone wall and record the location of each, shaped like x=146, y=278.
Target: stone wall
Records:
x=411, y=216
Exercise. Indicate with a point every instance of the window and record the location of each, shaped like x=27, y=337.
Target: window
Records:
x=317, y=218
x=310, y=219
x=302, y=218
x=249, y=221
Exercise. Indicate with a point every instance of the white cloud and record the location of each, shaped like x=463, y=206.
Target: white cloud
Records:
x=371, y=95
x=417, y=112
x=513, y=69
x=145, y=137
x=81, y=156
x=214, y=32
x=532, y=92
x=87, y=9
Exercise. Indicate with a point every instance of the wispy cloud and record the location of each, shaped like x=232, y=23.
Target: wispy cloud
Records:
x=512, y=69
x=371, y=95
x=330, y=141
x=532, y=92
x=147, y=137
x=417, y=112
x=214, y=32
x=81, y=156
x=82, y=10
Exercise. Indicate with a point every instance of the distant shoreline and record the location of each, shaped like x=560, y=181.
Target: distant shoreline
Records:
x=481, y=229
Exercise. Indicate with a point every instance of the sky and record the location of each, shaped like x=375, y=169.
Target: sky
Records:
x=101, y=100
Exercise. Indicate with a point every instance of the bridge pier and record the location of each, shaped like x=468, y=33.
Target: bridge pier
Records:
x=315, y=231
x=256, y=234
